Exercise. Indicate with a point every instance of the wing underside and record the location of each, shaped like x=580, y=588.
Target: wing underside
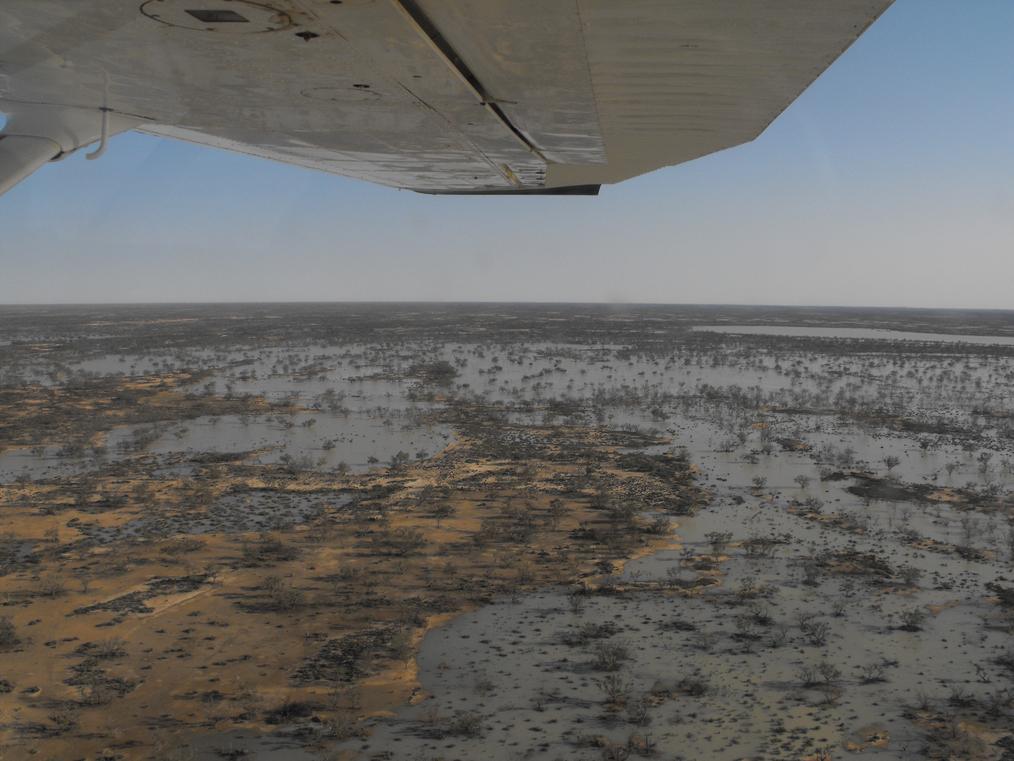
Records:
x=442, y=96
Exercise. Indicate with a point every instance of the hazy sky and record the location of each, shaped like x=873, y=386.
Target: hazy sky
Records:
x=889, y=182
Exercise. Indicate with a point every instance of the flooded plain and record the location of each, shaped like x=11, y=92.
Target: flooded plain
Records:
x=841, y=587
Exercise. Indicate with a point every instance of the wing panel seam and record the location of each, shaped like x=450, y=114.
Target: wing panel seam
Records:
x=425, y=28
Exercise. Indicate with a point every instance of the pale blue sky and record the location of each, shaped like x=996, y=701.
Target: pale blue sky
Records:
x=889, y=182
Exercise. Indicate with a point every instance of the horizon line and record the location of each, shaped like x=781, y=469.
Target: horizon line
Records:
x=493, y=302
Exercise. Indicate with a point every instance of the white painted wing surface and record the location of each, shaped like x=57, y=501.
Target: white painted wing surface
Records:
x=455, y=96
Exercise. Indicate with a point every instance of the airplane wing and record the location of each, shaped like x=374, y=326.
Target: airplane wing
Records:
x=438, y=96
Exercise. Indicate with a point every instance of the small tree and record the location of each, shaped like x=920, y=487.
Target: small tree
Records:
x=558, y=509
x=400, y=460
x=719, y=541
x=443, y=510
x=8, y=634
x=912, y=619
x=405, y=540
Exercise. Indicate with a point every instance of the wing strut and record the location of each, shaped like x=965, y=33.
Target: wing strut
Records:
x=103, y=140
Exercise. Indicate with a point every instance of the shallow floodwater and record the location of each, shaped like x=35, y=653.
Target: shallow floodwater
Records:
x=870, y=333
x=309, y=440
x=318, y=440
